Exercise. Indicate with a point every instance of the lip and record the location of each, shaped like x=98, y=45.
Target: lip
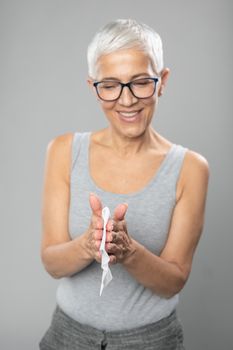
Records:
x=129, y=119
x=133, y=111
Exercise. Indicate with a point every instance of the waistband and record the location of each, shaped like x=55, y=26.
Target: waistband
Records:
x=155, y=327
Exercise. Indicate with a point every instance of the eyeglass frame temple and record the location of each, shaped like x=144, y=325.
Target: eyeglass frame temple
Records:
x=95, y=84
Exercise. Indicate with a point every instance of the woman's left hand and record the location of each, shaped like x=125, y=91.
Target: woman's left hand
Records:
x=121, y=244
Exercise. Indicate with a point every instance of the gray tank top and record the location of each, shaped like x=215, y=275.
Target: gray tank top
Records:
x=124, y=303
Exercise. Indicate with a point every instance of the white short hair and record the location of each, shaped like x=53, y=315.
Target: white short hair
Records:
x=125, y=34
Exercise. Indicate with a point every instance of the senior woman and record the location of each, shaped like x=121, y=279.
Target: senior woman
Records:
x=155, y=190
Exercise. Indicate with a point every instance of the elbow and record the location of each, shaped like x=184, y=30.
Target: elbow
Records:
x=51, y=271
x=171, y=292
x=49, y=266
x=171, y=289
x=180, y=283
x=179, y=280
x=53, y=274
x=176, y=288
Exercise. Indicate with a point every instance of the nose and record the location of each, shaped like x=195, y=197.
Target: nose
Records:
x=127, y=98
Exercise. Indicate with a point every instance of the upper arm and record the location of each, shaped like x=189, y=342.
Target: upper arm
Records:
x=188, y=215
x=55, y=197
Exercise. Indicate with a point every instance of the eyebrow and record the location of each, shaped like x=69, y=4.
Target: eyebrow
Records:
x=132, y=77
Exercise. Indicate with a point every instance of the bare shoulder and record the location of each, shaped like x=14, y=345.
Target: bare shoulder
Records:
x=195, y=164
x=195, y=172
x=60, y=142
x=58, y=154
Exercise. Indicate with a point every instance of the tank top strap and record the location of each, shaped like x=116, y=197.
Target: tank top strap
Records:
x=79, y=148
x=173, y=166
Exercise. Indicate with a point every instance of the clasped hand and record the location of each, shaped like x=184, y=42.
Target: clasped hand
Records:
x=118, y=244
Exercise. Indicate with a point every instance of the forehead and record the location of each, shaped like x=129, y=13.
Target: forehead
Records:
x=124, y=64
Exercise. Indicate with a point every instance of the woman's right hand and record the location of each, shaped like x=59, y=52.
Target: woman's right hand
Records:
x=93, y=235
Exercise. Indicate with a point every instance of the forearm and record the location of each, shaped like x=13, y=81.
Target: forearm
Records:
x=162, y=277
x=66, y=259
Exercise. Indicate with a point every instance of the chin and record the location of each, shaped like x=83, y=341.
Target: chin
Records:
x=132, y=132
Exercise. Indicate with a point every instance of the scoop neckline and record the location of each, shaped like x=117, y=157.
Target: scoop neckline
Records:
x=154, y=178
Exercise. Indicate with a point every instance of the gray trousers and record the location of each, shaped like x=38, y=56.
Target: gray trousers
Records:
x=65, y=333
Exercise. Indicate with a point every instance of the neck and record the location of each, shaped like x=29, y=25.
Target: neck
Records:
x=126, y=146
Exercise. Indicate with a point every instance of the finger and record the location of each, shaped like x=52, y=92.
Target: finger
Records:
x=95, y=204
x=109, y=226
x=97, y=244
x=120, y=211
x=97, y=222
x=124, y=227
x=98, y=234
x=109, y=237
x=113, y=237
x=112, y=248
x=113, y=259
x=118, y=226
x=98, y=256
x=119, y=238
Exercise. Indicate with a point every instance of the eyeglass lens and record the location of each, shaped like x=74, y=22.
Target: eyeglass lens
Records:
x=141, y=88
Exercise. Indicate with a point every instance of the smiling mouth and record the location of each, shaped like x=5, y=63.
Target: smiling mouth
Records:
x=129, y=116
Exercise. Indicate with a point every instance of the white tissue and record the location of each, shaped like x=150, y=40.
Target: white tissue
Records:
x=106, y=275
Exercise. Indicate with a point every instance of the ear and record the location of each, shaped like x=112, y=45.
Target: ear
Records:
x=164, y=77
x=90, y=82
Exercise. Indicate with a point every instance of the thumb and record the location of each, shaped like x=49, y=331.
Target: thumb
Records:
x=120, y=211
x=95, y=204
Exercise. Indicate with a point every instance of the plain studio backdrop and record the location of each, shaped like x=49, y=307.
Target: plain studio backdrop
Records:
x=44, y=94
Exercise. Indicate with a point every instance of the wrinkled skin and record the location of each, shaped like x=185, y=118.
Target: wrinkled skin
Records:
x=118, y=242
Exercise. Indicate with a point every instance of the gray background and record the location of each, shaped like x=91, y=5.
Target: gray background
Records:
x=44, y=94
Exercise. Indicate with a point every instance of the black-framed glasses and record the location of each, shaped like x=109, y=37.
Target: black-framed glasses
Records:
x=111, y=90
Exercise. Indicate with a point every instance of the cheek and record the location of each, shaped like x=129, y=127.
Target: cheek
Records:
x=151, y=102
x=150, y=105
x=107, y=106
